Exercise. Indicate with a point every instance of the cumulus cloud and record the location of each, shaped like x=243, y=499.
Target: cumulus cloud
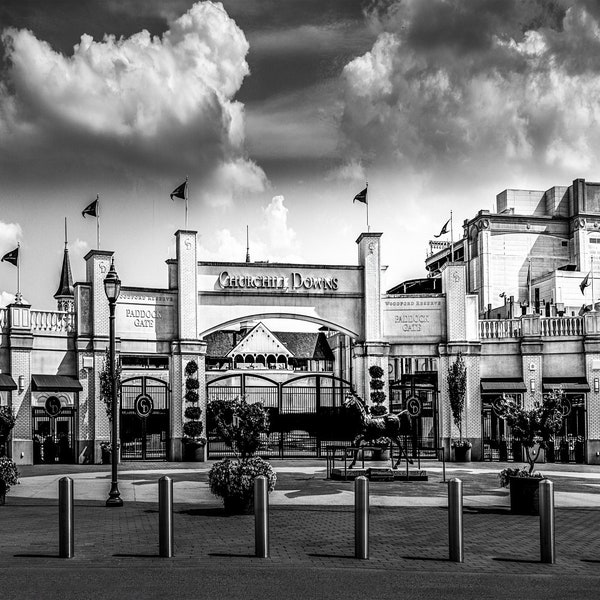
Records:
x=10, y=234
x=274, y=240
x=469, y=88
x=141, y=104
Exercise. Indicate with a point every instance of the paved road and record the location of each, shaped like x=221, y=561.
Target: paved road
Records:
x=312, y=540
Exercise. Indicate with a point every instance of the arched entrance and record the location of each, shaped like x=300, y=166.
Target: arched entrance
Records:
x=305, y=412
x=144, y=419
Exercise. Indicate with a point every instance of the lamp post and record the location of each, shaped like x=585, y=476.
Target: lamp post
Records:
x=112, y=288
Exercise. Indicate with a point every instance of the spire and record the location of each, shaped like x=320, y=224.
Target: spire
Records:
x=247, y=246
x=64, y=294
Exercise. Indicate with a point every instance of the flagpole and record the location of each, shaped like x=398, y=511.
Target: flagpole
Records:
x=451, y=239
x=98, y=222
x=18, y=296
x=529, y=286
x=592, y=270
x=367, y=203
x=186, y=202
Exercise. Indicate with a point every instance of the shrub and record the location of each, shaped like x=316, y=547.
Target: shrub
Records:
x=192, y=412
x=191, y=384
x=8, y=472
x=377, y=396
x=375, y=371
x=235, y=478
x=191, y=368
x=192, y=396
x=193, y=429
x=457, y=389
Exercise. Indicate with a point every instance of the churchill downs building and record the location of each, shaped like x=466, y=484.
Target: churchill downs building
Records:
x=510, y=296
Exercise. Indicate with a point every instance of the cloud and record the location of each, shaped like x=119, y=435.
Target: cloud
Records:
x=141, y=104
x=460, y=89
x=10, y=234
x=274, y=240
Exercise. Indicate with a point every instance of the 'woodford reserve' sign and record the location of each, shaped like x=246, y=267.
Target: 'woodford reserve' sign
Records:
x=145, y=315
x=418, y=318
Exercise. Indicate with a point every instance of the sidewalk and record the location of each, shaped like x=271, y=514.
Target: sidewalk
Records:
x=312, y=538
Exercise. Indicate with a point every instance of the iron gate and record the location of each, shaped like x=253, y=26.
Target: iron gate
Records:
x=305, y=412
x=144, y=419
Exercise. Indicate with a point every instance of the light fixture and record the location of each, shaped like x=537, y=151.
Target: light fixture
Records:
x=112, y=284
x=596, y=385
x=21, y=383
x=532, y=386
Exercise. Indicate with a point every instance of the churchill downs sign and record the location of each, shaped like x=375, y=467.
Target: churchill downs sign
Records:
x=296, y=281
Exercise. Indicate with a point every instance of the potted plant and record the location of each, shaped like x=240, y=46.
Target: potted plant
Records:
x=534, y=428
x=193, y=441
x=457, y=389
x=240, y=425
x=9, y=475
x=377, y=410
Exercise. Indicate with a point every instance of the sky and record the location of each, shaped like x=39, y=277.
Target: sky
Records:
x=279, y=111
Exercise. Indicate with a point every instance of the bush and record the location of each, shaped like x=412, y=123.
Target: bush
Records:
x=193, y=429
x=192, y=412
x=375, y=371
x=378, y=410
x=191, y=368
x=192, y=396
x=377, y=384
x=8, y=472
x=235, y=478
x=192, y=384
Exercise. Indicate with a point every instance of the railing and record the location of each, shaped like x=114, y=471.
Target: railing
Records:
x=491, y=329
x=48, y=320
x=560, y=326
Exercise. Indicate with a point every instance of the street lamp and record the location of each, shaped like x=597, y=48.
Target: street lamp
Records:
x=112, y=288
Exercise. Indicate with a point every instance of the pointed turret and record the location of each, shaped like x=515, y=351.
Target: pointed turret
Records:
x=65, y=296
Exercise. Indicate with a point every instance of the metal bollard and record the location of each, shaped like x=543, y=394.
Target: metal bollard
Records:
x=165, y=517
x=361, y=517
x=455, y=520
x=547, y=521
x=261, y=517
x=66, y=532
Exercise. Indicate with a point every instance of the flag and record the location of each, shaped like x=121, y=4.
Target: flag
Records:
x=180, y=191
x=444, y=229
x=584, y=283
x=361, y=197
x=12, y=257
x=91, y=209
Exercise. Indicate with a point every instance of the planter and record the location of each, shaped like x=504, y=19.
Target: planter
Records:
x=193, y=452
x=524, y=495
x=462, y=454
x=2, y=493
x=381, y=454
x=238, y=506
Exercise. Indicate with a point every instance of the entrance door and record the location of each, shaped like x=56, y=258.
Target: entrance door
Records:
x=144, y=426
x=53, y=433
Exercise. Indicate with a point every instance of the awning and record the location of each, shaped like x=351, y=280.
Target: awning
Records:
x=7, y=382
x=55, y=383
x=502, y=385
x=568, y=384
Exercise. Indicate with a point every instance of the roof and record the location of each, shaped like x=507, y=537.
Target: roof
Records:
x=426, y=285
x=65, y=287
x=300, y=344
x=7, y=382
x=55, y=383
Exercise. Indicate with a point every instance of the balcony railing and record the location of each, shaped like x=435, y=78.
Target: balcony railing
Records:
x=491, y=329
x=49, y=320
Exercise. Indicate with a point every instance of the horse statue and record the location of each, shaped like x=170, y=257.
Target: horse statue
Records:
x=372, y=428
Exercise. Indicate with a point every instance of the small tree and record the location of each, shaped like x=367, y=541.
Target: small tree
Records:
x=239, y=424
x=457, y=389
x=536, y=426
x=193, y=427
x=377, y=395
x=7, y=422
x=106, y=383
